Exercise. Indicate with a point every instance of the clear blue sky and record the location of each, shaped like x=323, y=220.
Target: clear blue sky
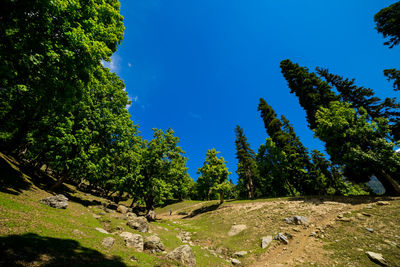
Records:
x=200, y=67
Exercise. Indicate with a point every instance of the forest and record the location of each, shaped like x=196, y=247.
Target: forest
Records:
x=62, y=111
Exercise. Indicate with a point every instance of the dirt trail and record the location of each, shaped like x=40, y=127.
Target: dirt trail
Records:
x=175, y=213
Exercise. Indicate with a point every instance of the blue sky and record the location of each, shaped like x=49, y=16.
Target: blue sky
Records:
x=200, y=67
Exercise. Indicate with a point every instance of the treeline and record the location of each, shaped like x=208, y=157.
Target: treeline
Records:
x=63, y=111
x=360, y=132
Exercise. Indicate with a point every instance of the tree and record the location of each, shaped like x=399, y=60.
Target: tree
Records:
x=247, y=166
x=213, y=176
x=388, y=23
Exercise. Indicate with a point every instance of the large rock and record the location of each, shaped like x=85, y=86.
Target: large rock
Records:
x=377, y=258
x=183, y=254
x=153, y=243
x=58, y=201
x=297, y=220
x=236, y=229
x=282, y=237
x=133, y=240
x=151, y=216
x=101, y=230
x=139, y=223
x=108, y=242
x=265, y=241
x=235, y=261
x=122, y=209
x=239, y=254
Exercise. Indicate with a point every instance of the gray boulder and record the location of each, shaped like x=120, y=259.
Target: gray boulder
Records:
x=58, y=201
x=108, y=242
x=151, y=216
x=377, y=258
x=281, y=237
x=122, y=209
x=265, y=241
x=236, y=229
x=133, y=241
x=235, y=261
x=296, y=220
x=153, y=243
x=139, y=223
x=183, y=254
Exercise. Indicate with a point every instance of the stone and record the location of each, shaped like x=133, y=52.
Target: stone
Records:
x=119, y=228
x=122, y=209
x=382, y=203
x=366, y=214
x=153, y=243
x=184, y=236
x=240, y=254
x=131, y=215
x=139, y=223
x=108, y=242
x=183, y=254
x=235, y=261
x=77, y=232
x=101, y=230
x=369, y=229
x=265, y=241
x=133, y=241
x=377, y=258
x=345, y=219
x=57, y=201
x=297, y=220
x=236, y=229
x=151, y=216
x=282, y=237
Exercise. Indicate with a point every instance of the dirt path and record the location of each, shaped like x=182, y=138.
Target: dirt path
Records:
x=175, y=213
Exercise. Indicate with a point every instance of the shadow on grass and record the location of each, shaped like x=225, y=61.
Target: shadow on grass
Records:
x=12, y=181
x=34, y=250
x=202, y=210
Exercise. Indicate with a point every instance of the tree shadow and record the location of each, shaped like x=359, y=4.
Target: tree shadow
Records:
x=12, y=181
x=34, y=250
x=202, y=210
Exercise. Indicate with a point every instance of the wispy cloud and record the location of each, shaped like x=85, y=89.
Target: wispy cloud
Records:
x=132, y=100
x=114, y=65
x=194, y=115
x=129, y=64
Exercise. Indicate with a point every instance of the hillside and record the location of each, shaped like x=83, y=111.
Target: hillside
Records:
x=335, y=234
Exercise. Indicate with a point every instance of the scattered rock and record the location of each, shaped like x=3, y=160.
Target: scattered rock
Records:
x=151, y=216
x=382, y=203
x=236, y=229
x=183, y=254
x=345, y=219
x=122, y=209
x=377, y=258
x=58, y=201
x=282, y=237
x=235, y=261
x=77, y=232
x=360, y=249
x=153, y=243
x=139, y=223
x=133, y=258
x=184, y=236
x=240, y=254
x=108, y=242
x=369, y=229
x=101, y=230
x=265, y=241
x=297, y=220
x=313, y=234
x=133, y=241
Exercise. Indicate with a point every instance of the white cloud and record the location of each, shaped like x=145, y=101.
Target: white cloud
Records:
x=114, y=65
x=129, y=64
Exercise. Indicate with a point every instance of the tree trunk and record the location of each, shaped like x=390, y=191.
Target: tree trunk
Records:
x=221, y=197
x=57, y=185
x=149, y=200
x=391, y=186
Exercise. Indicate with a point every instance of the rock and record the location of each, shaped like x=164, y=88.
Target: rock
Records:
x=366, y=214
x=151, y=216
x=265, y=241
x=58, y=201
x=236, y=229
x=122, y=209
x=296, y=220
x=108, y=242
x=377, y=258
x=119, y=228
x=183, y=254
x=133, y=241
x=101, y=230
x=131, y=215
x=369, y=229
x=235, y=261
x=184, y=236
x=133, y=258
x=77, y=232
x=282, y=237
x=240, y=254
x=153, y=243
x=139, y=223
x=345, y=219
x=382, y=203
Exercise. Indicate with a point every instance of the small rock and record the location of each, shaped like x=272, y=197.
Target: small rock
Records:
x=101, y=230
x=119, y=228
x=265, y=241
x=377, y=258
x=139, y=223
x=133, y=258
x=366, y=214
x=236, y=229
x=296, y=220
x=345, y=219
x=183, y=254
x=77, y=232
x=382, y=203
x=122, y=209
x=240, y=254
x=360, y=249
x=58, y=201
x=369, y=229
x=282, y=237
x=313, y=234
x=151, y=216
x=153, y=243
x=108, y=242
x=235, y=261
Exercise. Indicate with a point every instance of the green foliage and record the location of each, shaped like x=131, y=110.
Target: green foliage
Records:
x=213, y=176
x=388, y=24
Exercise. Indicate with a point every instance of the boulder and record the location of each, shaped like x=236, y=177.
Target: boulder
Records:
x=153, y=243
x=235, y=261
x=183, y=254
x=297, y=220
x=151, y=216
x=133, y=241
x=236, y=229
x=282, y=237
x=377, y=258
x=101, y=230
x=239, y=254
x=139, y=223
x=265, y=241
x=122, y=209
x=58, y=201
x=108, y=242
x=382, y=203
